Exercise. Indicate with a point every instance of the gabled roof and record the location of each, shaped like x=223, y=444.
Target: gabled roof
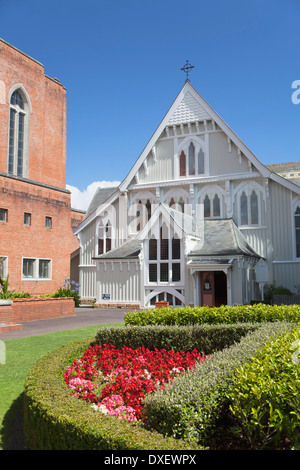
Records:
x=100, y=196
x=189, y=106
x=222, y=238
x=129, y=250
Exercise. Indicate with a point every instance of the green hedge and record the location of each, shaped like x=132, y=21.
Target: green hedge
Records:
x=205, y=338
x=190, y=407
x=213, y=315
x=55, y=420
x=265, y=397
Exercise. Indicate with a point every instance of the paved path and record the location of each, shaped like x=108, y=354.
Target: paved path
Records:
x=84, y=316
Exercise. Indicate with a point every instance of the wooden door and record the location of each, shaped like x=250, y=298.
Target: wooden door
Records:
x=207, y=289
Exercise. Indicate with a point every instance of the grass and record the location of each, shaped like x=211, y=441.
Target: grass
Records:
x=20, y=355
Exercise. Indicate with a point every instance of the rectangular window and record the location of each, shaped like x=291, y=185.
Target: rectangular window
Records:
x=164, y=272
x=48, y=222
x=35, y=268
x=175, y=272
x=27, y=218
x=175, y=248
x=44, y=268
x=152, y=272
x=3, y=215
x=28, y=267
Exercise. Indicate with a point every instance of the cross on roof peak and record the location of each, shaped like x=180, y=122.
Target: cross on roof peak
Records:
x=187, y=68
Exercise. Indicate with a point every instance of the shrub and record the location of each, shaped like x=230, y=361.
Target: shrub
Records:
x=205, y=338
x=213, y=315
x=190, y=407
x=54, y=419
x=265, y=396
x=69, y=289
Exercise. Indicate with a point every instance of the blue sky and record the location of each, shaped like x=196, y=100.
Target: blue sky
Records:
x=120, y=62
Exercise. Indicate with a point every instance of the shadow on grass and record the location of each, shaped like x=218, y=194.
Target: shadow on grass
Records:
x=11, y=434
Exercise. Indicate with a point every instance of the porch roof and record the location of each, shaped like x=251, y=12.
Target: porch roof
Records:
x=222, y=238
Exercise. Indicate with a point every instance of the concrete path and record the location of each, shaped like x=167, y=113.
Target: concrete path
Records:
x=84, y=316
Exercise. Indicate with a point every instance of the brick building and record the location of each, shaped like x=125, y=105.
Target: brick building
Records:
x=36, y=236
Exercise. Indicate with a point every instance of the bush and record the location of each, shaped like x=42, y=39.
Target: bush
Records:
x=190, y=407
x=213, y=315
x=55, y=420
x=205, y=338
x=186, y=411
x=265, y=397
x=69, y=289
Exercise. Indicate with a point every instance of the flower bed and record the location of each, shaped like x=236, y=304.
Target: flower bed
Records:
x=116, y=381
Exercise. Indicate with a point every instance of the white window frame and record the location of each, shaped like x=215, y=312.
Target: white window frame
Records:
x=35, y=274
x=168, y=261
x=184, y=146
x=26, y=112
x=4, y=260
x=248, y=188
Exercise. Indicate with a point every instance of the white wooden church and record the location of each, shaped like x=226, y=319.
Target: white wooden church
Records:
x=198, y=220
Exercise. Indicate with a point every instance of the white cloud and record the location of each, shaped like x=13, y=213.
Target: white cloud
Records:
x=81, y=199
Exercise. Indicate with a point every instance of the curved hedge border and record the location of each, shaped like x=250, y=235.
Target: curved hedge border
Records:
x=55, y=420
x=212, y=315
x=190, y=406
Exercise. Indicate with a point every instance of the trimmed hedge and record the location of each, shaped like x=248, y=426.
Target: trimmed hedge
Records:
x=205, y=338
x=225, y=314
x=265, y=396
x=187, y=409
x=55, y=420
x=190, y=406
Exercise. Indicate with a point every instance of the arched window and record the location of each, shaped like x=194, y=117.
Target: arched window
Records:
x=182, y=164
x=104, y=238
x=244, y=209
x=249, y=207
x=212, y=205
x=192, y=166
x=297, y=229
x=191, y=160
x=17, y=134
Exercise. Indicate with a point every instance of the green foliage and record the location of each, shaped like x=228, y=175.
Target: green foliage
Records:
x=205, y=338
x=190, y=407
x=69, y=289
x=271, y=289
x=214, y=315
x=6, y=294
x=265, y=396
x=56, y=420
x=181, y=416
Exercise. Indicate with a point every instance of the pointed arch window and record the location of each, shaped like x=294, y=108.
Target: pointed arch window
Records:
x=192, y=160
x=212, y=205
x=104, y=238
x=18, y=128
x=249, y=207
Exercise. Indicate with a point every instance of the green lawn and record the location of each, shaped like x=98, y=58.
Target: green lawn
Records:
x=20, y=355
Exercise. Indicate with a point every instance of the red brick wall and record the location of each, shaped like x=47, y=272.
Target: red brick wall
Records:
x=23, y=310
x=47, y=121
x=35, y=241
x=46, y=165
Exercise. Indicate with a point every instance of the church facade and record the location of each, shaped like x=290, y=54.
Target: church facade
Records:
x=198, y=220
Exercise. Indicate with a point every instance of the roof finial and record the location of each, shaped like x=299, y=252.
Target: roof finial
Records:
x=187, y=68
